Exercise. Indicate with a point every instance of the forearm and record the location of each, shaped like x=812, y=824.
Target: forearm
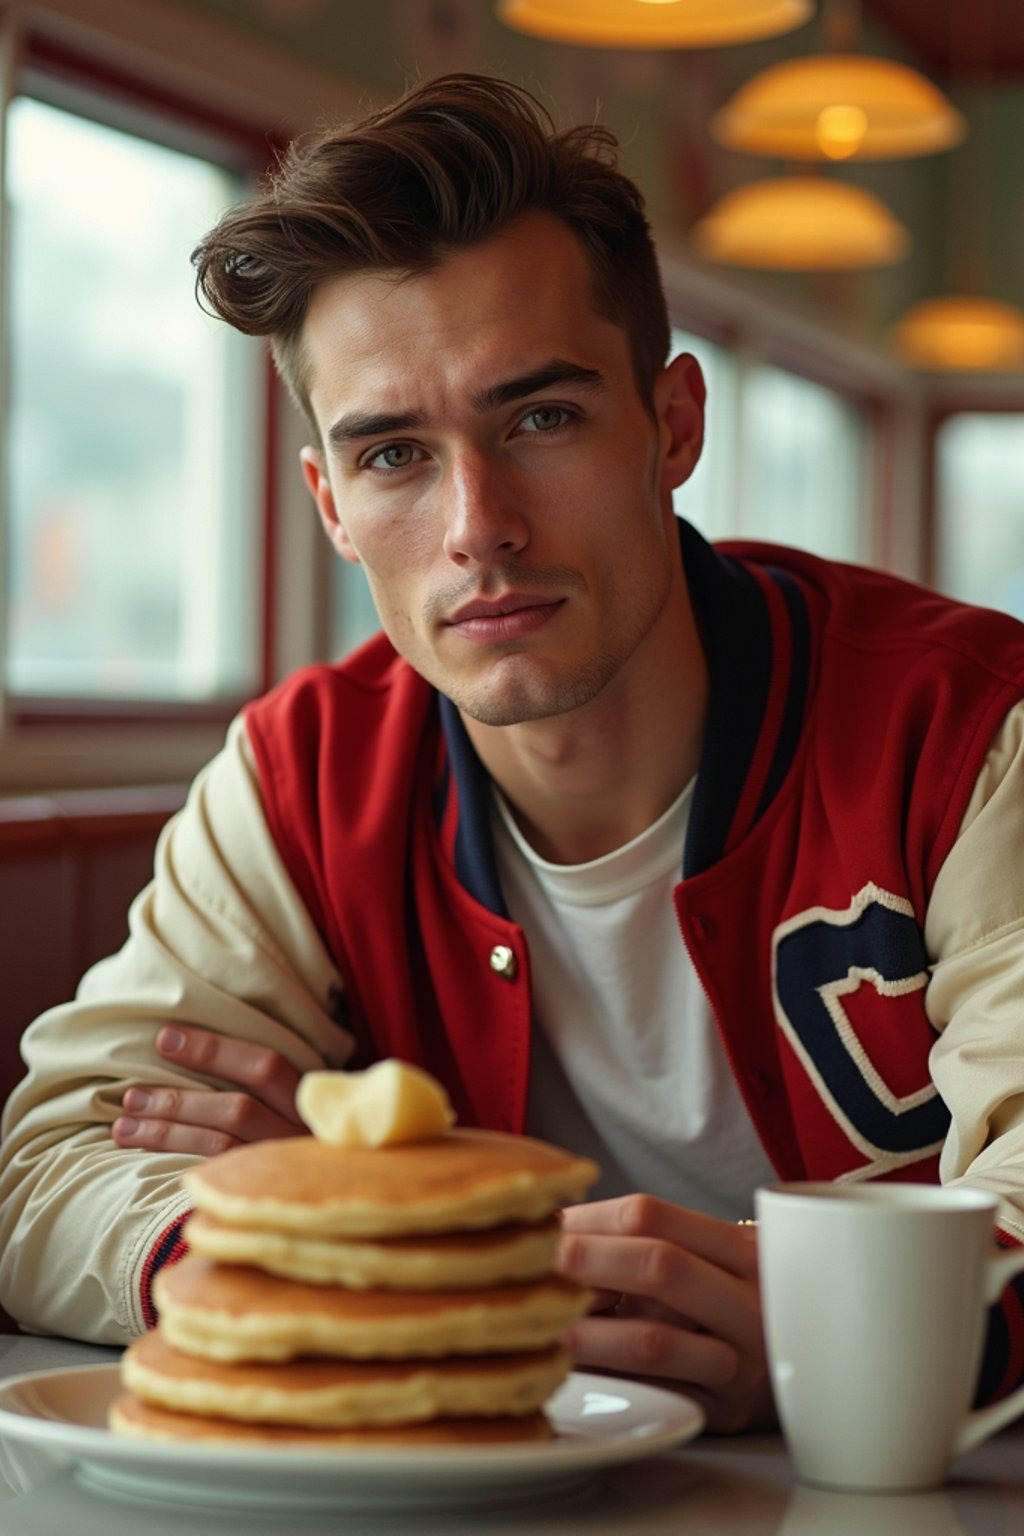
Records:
x=81, y=1218
x=81, y=1226
x=219, y=941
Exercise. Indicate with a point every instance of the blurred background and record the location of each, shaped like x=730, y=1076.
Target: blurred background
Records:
x=830, y=183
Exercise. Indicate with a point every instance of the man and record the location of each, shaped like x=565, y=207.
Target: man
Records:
x=464, y=846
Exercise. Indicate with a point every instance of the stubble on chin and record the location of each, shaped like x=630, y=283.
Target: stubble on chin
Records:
x=510, y=692
x=517, y=700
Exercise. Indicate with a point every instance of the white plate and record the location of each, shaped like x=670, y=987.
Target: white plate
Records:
x=599, y=1422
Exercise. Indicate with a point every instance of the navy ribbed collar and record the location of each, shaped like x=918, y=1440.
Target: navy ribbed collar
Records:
x=737, y=631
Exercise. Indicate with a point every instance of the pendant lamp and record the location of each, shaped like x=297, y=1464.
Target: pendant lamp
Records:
x=838, y=107
x=800, y=224
x=961, y=333
x=653, y=23
x=967, y=330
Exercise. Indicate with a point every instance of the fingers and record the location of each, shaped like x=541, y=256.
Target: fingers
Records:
x=166, y=1136
x=220, y=1120
x=703, y=1269
x=699, y=1294
x=647, y=1347
x=269, y=1077
x=206, y=1121
x=690, y=1310
x=732, y=1388
x=722, y=1243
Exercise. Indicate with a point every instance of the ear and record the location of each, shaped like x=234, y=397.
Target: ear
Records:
x=679, y=395
x=314, y=472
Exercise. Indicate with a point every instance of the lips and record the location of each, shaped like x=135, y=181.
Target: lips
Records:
x=504, y=618
x=498, y=607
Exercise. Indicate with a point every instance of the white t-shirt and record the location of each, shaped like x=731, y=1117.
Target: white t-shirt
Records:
x=628, y=1065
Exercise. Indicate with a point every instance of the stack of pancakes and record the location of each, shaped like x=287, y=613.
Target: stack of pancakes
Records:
x=338, y=1294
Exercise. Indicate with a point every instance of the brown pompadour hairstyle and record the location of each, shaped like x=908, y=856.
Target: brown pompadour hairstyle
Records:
x=450, y=163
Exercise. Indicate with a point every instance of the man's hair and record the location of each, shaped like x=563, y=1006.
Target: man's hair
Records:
x=450, y=163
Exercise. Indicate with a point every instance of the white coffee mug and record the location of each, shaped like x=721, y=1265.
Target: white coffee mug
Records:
x=874, y=1299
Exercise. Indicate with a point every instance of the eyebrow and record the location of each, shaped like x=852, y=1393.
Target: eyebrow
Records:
x=557, y=371
x=361, y=424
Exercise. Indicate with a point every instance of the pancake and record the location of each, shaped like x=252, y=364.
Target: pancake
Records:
x=457, y=1181
x=439, y=1260
x=136, y=1420
x=229, y=1312
x=333, y=1393
x=387, y=1280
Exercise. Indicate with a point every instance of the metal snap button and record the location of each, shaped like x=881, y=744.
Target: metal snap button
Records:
x=503, y=961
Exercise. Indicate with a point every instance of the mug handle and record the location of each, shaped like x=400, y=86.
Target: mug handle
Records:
x=983, y=1422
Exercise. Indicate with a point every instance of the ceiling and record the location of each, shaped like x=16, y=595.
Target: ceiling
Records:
x=950, y=39
x=958, y=38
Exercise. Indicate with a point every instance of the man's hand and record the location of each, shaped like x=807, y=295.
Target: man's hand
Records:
x=678, y=1301
x=206, y=1120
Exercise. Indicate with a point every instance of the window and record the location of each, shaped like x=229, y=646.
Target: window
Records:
x=783, y=458
x=802, y=450
x=354, y=615
x=133, y=511
x=979, y=546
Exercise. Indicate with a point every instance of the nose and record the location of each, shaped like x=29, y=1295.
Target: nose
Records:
x=483, y=515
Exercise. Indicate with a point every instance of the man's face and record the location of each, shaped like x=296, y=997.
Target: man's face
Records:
x=488, y=460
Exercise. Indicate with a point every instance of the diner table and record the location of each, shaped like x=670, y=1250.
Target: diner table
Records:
x=739, y=1485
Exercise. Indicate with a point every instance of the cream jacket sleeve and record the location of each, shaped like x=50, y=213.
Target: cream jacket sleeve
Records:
x=975, y=998
x=220, y=939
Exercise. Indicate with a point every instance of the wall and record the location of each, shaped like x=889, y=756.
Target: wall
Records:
x=70, y=866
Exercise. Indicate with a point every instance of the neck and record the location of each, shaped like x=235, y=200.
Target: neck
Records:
x=584, y=783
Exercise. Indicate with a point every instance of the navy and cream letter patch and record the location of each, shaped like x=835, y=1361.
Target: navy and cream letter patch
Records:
x=865, y=1051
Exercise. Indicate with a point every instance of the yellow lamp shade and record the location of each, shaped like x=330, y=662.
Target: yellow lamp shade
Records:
x=970, y=334
x=800, y=224
x=836, y=107
x=653, y=23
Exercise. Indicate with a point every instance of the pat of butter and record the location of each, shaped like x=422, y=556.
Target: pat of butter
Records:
x=389, y=1103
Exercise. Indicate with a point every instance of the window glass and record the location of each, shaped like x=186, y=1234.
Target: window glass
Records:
x=133, y=523
x=801, y=455
x=355, y=617
x=979, y=546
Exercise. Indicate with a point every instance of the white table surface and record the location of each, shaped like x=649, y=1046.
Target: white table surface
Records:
x=742, y=1486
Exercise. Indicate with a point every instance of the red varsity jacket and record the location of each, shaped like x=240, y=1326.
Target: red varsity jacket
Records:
x=850, y=713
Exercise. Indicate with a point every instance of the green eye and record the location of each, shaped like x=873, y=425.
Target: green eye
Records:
x=546, y=417
x=396, y=456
